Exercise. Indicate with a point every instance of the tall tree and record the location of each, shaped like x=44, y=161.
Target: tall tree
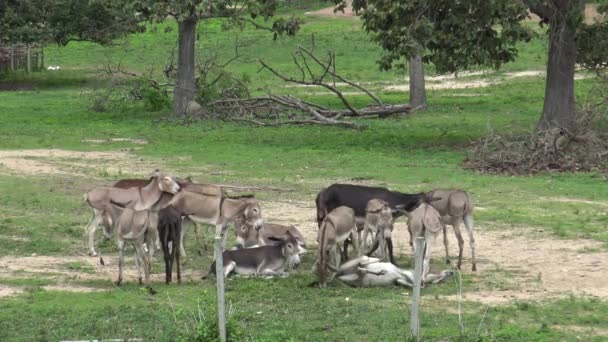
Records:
x=456, y=35
x=188, y=13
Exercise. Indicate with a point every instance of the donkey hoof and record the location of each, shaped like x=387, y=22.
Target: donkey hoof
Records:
x=474, y=269
x=92, y=253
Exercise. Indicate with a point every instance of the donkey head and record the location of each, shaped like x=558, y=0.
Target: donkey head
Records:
x=290, y=248
x=246, y=235
x=252, y=214
x=167, y=184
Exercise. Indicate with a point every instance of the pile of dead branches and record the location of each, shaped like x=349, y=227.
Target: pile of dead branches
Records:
x=274, y=109
x=557, y=149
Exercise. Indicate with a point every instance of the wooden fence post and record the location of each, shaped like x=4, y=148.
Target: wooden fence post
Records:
x=219, y=276
x=29, y=58
x=415, y=317
x=12, y=58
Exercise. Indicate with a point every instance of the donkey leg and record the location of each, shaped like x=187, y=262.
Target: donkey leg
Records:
x=389, y=244
x=445, y=244
x=468, y=222
x=356, y=246
x=121, y=261
x=185, y=225
x=179, y=272
x=364, y=244
x=91, y=228
x=139, y=260
x=167, y=256
x=456, y=225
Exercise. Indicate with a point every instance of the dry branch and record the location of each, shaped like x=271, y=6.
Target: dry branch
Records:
x=276, y=110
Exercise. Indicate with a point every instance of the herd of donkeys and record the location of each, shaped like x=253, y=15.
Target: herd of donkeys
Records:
x=155, y=213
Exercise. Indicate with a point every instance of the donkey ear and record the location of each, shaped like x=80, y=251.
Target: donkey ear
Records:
x=274, y=238
x=428, y=198
x=155, y=173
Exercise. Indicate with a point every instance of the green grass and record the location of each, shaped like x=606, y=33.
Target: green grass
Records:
x=419, y=152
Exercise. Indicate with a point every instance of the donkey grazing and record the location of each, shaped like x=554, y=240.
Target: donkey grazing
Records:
x=336, y=227
x=379, y=224
x=143, y=198
x=456, y=207
x=371, y=272
x=269, y=260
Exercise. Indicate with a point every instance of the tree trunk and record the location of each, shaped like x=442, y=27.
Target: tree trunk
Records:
x=185, y=88
x=417, y=91
x=558, y=109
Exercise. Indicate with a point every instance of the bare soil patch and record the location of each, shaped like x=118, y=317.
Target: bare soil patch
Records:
x=54, y=267
x=329, y=11
x=526, y=267
x=65, y=162
x=112, y=140
x=6, y=291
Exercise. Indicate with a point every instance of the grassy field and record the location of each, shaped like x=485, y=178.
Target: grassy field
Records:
x=42, y=214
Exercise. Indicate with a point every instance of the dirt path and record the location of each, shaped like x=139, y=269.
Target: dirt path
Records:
x=525, y=266
x=65, y=162
x=513, y=263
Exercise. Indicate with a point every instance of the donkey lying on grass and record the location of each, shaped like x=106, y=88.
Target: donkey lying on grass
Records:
x=269, y=260
x=371, y=272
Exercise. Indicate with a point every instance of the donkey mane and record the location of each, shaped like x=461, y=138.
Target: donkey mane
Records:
x=241, y=196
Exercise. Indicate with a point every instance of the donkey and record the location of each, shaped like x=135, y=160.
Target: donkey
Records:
x=137, y=227
x=247, y=236
x=357, y=196
x=270, y=260
x=336, y=227
x=371, y=272
x=456, y=207
x=379, y=224
x=424, y=221
x=185, y=184
x=137, y=198
x=201, y=208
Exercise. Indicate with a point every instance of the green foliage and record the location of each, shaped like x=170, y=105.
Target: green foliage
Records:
x=62, y=21
x=453, y=35
x=592, y=43
x=155, y=99
x=220, y=84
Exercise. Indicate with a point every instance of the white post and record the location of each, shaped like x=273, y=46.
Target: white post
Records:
x=414, y=319
x=219, y=276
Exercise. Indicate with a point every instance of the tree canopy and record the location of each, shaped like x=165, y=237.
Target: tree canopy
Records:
x=456, y=35
x=62, y=21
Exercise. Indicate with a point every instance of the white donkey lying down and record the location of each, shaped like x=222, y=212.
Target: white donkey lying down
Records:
x=371, y=272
